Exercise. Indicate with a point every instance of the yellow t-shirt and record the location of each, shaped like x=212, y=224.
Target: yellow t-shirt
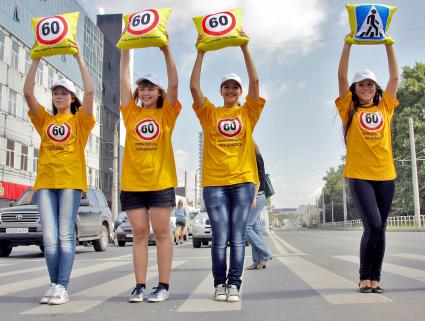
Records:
x=62, y=164
x=229, y=153
x=148, y=163
x=369, y=147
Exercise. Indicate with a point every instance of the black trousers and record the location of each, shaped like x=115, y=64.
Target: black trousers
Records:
x=372, y=200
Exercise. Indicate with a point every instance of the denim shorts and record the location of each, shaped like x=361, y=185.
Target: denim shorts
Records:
x=161, y=198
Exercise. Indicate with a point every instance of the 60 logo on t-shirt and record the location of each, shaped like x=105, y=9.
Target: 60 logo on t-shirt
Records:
x=230, y=127
x=59, y=133
x=219, y=24
x=147, y=129
x=51, y=30
x=371, y=122
x=143, y=22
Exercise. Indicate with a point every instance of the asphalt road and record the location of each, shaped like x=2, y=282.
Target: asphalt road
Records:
x=313, y=276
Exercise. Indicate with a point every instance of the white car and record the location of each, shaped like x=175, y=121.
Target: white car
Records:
x=201, y=229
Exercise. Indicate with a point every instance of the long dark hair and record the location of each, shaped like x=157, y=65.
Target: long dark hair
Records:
x=75, y=105
x=355, y=104
x=147, y=83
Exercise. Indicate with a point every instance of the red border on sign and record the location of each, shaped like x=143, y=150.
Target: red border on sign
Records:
x=52, y=42
x=57, y=140
x=223, y=32
x=378, y=127
x=230, y=119
x=153, y=26
x=145, y=121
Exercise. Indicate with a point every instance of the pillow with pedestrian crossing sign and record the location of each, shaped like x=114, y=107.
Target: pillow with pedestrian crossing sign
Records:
x=54, y=35
x=145, y=29
x=220, y=30
x=369, y=23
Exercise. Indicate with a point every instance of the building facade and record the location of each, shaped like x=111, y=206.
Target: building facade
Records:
x=19, y=142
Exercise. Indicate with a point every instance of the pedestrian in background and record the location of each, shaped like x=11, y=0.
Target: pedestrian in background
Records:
x=254, y=232
x=229, y=170
x=180, y=222
x=366, y=112
x=149, y=171
x=61, y=172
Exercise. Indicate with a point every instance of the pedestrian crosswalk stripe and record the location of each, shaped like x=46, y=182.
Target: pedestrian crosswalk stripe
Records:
x=410, y=256
x=10, y=273
x=44, y=280
x=404, y=271
x=289, y=249
x=332, y=287
x=88, y=299
x=201, y=299
x=6, y=264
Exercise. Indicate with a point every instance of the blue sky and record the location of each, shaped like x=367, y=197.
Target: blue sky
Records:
x=296, y=46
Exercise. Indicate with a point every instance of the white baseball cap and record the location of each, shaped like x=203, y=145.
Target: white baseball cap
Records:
x=232, y=76
x=364, y=74
x=69, y=85
x=149, y=77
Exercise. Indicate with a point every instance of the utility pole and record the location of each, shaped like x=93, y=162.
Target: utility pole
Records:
x=324, y=206
x=344, y=199
x=332, y=204
x=416, y=202
x=185, y=184
x=196, y=188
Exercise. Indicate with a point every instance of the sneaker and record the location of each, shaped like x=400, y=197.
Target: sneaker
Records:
x=232, y=293
x=136, y=295
x=253, y=266
x=159, y=294
x=262, y=265
x=48, y=295
x=220, y=293
x=60, y=296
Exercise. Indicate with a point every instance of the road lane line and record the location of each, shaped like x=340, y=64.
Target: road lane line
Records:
x=403, y=271
x=411, y=256
x=38, y=268
x=332, y=287
x=290, y=249
x=44, y=280
x=88, y=299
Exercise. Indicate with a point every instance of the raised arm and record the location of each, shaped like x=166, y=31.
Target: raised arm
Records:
x=254, y=82
x=393, y=71
x=173, y=81
x=29, y=87
x=125, y=83
x=343, y=83
x=195, y=81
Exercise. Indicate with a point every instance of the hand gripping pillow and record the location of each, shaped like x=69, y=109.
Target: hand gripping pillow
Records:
x=53, y=35
x=220, y=30
x=145, y=29
x=369, y=23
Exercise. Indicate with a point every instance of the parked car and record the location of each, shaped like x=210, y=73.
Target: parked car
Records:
x=201, y=229
x=20, y=224
x=125, y=234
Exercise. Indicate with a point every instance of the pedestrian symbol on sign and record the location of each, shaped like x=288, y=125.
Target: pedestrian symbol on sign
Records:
x=372, y=26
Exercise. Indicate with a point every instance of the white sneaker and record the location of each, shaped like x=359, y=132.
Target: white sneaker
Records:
x=60, y=296
x=232, y=293
x=220, y=293
x=158, y=295
x=48, y=295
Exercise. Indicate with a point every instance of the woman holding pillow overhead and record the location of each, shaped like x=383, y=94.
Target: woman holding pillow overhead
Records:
x=229, y=170
x=366, y=112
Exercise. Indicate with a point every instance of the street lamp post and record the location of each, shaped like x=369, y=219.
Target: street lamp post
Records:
x=115, y=172
x=196, y=188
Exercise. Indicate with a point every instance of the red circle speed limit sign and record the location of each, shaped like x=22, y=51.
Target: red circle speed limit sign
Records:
x=371, y=121
x=51, y=30
x=143, y=22
x=59, y=133
x=219, y=24
x=147, y=129
x=230, y=127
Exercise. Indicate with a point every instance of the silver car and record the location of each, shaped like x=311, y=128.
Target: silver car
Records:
x=201, y=229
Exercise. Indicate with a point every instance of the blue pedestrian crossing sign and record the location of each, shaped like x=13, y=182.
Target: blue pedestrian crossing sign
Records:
x=369, y=23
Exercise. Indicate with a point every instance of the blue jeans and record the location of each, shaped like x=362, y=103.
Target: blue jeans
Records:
x=58, y=213
x=228, y=209
x=254, y=232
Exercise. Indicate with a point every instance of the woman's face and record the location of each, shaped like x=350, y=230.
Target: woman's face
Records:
x=149, y=95
x=62, y=99
x=231, y=92
x=179, y=204
x=365, y=90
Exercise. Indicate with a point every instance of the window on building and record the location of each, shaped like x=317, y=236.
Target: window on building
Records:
x=24, y=157
x=89, y=177
x=2, y=41
x=35, y=160
x=15, y=55
x=51, y=77
x=1, y=97
x=97, y=146
x=12, y=102
x=16, y=14
x=10, y=153
x=96, y=178
x=39, y=75
x=27, y=61
x=97, y=113
x=91, y=143
x=25, y=110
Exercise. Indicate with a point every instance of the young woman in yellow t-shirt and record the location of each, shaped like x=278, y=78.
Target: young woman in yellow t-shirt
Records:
x=148, y=170
x=61, y=172
x=366, y=112
x=229, y=170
